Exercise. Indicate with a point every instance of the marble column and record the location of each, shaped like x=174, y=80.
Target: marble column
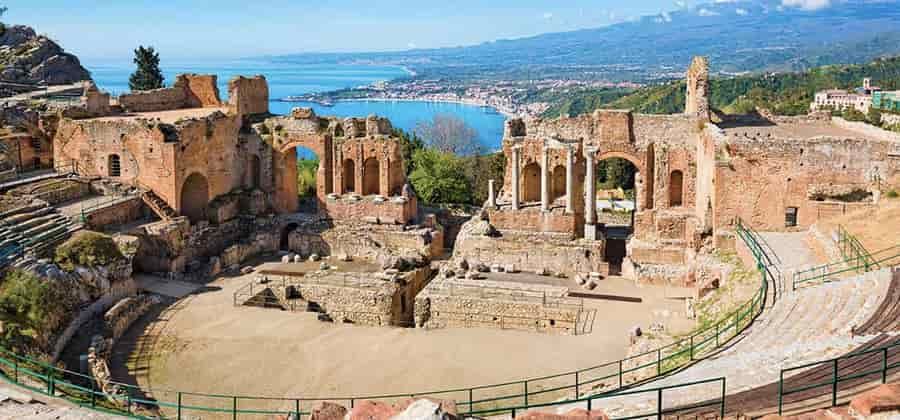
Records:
x=570, y=180
x=590, y=197
x=545, y=179
x=515, y=177
x=492, y=199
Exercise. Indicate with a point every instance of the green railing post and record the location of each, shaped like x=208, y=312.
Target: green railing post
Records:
x=526, y=391
x=780, y=390
x=834, y=385
x=722, y=409
x=93, y=394
x=692, y=348
x=884, y=364
x=16, y=369
x=620, y=373
x=234, y=408
x=576, y=385
x=297, y=408
x=658, y=361
x=471, y=409
x=659, y=405
x=717, y=335
x=50, y=390
x=179, y=406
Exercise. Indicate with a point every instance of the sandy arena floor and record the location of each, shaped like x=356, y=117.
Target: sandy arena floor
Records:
x=203, y=343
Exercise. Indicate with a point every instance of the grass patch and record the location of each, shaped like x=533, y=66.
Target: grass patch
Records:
x=87, y=248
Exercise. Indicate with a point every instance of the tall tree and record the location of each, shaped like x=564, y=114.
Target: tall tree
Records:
x=147, y=76
x=440, y=177
x=449, y=134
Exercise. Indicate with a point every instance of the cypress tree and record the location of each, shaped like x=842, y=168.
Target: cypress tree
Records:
x=148, y=75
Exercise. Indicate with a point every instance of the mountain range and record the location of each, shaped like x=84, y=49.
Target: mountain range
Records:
x=738, y=36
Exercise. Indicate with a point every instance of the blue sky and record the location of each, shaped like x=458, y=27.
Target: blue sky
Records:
x=111, y=29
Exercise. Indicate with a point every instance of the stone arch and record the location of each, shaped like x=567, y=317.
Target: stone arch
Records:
x=643, y=188
x=348, y=171
x=285, y=243
x=676, y=188
x=114, y=165
x=195, y=197
x=557, y=182
x=371, y=177
x=531, y=179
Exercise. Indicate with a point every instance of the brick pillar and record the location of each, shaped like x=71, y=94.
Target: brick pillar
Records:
x=590, y=197
x=570, y=180
x=545, y=180
x=515, y=177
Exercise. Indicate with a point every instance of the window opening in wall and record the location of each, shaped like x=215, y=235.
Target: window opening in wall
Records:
x=115, y=165
x=790, y=217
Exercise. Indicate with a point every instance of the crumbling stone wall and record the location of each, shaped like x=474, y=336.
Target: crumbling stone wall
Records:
x=697, y=104
x=189, y=91
x=248, y=96
x=123, y=212
x=759, y=174
x=450, y=303
x=372, y=241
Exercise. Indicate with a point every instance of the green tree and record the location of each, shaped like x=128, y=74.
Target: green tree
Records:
x=481, y=169
x=851, y=114
x=440, y=177
x=147, y=76
x=89, y=249
x=306, y=177
x=409, y=144
x=25, y=303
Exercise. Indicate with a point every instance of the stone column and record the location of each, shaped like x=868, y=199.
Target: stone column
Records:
x=570, y=180
x=492, y=199
x=515, y=177
x=590, y=196
x=545, y=180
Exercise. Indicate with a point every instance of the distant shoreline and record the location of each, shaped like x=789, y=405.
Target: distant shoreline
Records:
x=445, y=101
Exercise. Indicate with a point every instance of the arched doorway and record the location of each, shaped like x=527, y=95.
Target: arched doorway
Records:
x=195, y=197
x=285, y=243
x=531, y=179
x=617, y=201
x=557, y=182
x=676, y=188
x=307, y=179
x=348, y=176
x=371, y=177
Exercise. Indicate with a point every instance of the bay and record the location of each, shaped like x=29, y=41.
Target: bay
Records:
x=292, y=79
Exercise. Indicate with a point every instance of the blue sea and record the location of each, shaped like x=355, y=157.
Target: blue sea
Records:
x=289, y=79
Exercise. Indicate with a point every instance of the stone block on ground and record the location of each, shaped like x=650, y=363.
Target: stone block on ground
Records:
x=328, y=411
x=371, y=410
x=423, y=409
x=573, y=414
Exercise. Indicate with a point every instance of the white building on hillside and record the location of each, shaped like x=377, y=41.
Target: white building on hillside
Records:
x=838, y=99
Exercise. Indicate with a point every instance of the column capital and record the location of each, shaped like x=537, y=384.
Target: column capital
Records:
x=590, y=151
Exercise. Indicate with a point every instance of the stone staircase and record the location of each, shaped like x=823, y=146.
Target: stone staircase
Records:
x=32, y=230
x=158, y=205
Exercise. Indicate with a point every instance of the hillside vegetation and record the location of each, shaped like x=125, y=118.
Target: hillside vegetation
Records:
x=783, y=93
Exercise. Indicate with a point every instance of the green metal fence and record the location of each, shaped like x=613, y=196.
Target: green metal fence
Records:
x=839, y=269
x=604, y=379
x=852, y=250
x=825, y=376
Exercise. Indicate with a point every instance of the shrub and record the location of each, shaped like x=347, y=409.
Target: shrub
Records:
x=86, y=248
x=892, y=194
x=25, y=305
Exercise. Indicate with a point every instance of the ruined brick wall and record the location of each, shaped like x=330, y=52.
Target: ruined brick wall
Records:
x=697, y=104
x=248, y=95
x=534, y=220
x=759, y=177
x=530, y=251
x=444, y=308
x=117, y=214
x=208, y=147
x=25, y=151
x=359, y=240
x=388, y=211
x=188, y=91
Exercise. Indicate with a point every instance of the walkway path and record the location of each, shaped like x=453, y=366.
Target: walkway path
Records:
x=16, y=403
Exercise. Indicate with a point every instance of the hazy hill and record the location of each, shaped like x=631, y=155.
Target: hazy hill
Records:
x=736, y=35
x=27, y=57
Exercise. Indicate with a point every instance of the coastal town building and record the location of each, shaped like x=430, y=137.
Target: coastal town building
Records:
x=859, y=99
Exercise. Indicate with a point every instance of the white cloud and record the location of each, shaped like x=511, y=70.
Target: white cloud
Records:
x=411, y=45
x=548, y=15
x=807, y=4
x=706, y=12
x=742, y=12
x=680, y=4
x=724, y=1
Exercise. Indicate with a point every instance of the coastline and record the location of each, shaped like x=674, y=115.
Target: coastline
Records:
x=469, y=102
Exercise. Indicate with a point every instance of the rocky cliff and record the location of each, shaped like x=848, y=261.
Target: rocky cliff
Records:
x=26, y=57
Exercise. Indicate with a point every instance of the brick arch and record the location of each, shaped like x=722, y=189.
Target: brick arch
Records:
x=371, y=179
x=637, y=162
x=284, y=168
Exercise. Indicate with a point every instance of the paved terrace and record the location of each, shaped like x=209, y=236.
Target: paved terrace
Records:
x=168, y=117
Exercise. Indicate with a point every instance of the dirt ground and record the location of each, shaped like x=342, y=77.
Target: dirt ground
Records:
x=876, y=228
x=203, y=343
